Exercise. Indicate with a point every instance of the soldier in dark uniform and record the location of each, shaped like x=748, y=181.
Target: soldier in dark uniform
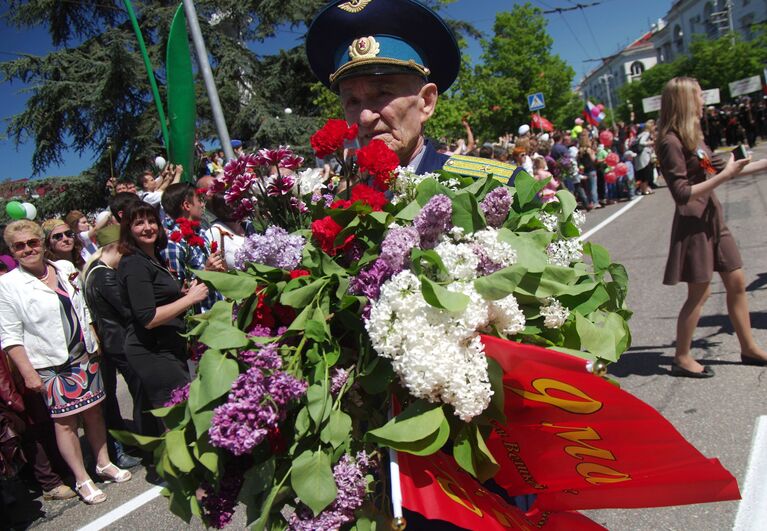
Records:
x=388, y=60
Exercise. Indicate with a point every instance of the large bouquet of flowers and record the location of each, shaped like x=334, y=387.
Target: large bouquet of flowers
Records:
x=359, y=301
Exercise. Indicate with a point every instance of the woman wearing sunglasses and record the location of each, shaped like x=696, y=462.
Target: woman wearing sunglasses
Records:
x=46, y=330
x=61, y=243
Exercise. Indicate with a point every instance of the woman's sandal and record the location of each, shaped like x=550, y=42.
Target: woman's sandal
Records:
x=94, y=496
x=120, y=476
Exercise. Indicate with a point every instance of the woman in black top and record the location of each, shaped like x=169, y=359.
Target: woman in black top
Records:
x=153, y=343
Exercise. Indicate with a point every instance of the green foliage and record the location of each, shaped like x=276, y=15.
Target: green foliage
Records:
x=59, y=196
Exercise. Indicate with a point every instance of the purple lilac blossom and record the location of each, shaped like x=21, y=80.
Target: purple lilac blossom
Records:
x=218, y=507
x=354, y=251
x=496, y=206
x=266, y=357
x=396, y=247
x=434, y=220
x=369, y=281
x=178, y=395
x=486, y=265
x=256, y=405
x=274, y=248
x=349, y=476
x=338, y=380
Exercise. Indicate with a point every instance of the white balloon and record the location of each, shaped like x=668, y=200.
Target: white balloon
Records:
x=160, y=163
x=288, y=110
x=31, y=210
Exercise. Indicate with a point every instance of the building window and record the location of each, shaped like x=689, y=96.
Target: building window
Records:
x=679, y=37
x=637, y=68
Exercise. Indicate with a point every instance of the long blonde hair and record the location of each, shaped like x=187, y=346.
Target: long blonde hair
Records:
x=679, y=111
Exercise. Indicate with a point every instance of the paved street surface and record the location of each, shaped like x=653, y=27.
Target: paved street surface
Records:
x=718, y=415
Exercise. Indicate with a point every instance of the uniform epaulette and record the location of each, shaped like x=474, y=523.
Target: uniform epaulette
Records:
x=478, y=167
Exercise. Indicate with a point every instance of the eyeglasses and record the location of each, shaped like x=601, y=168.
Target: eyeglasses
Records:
x=68, y=233
x=34, y=243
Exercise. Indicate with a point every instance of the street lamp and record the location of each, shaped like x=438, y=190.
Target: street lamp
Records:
x=605, y=78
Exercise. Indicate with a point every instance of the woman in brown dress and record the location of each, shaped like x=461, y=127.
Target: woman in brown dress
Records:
x=701, y=243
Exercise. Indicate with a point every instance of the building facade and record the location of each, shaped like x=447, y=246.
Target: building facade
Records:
x=709, y=18
x=669, y=39
x=603, y=82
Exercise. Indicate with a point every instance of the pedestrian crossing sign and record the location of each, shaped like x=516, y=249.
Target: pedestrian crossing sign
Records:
x=535, y=101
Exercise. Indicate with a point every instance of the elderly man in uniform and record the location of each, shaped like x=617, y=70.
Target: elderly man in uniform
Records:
x=388, y=60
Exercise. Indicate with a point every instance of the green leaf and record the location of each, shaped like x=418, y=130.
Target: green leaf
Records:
x=221, y=336
x=312, y=480
x=303, y=296
x=315, y=330
x=207, y=455
x=318, y=403
x=440, y=297
x=178, y=451
x=567, y=202
x=530, y=247
x=420, y=420
x=527, y=188
x=472, y=454
x=428, y=445
x=201, y=421
x=501, y=283
x=420, y=260
x=337, y=430
x=605, y=338
x=379, y=374
x=600, y=258
x=258, y=478
x=217, y=373
x=466, y=213
x=236, y=286
x=299, y=323
x=303, y=423
x=409, y=212
x=140, y=441
x=495, y=411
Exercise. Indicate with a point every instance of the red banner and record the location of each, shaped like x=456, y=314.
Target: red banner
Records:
x=579, y=442
x=539, y=122
x=435, y=487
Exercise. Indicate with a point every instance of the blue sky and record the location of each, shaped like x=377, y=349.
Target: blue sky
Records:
x=578, y=35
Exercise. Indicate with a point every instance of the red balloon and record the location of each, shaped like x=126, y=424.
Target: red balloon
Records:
x=612, y=160
x=621, y=169
x=606, y=138
x=611, y=177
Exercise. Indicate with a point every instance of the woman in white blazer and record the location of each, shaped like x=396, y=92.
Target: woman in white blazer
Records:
x=46, y=330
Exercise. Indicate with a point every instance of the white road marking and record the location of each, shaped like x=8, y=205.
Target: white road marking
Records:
x=752, y=512
x=631, y=204
x=123, y=510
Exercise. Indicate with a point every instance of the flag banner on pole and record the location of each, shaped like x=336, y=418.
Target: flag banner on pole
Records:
x=578, y=441
x=593, y=114
x=437, y=488
x=539, y=122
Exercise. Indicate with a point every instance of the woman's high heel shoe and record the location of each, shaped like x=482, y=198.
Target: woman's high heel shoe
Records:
x=112, y=473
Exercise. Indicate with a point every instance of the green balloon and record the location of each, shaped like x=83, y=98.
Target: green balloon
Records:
x=15, y=210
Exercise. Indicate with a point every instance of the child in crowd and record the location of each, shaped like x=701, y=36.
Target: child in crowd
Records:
x=541, y=173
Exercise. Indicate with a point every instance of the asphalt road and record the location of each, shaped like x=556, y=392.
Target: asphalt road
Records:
x=717, y=415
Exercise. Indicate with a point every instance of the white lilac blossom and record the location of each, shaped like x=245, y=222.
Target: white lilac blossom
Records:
x=507, y=316
x=405, y=184
x=579, y=218
x=550, y=221
x=564, y=252
x=436, y=353
x=460, y=260
x=500, y=252
x=554, y=313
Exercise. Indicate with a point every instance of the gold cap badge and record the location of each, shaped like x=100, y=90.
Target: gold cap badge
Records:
x=364, y=48
x=354, y=6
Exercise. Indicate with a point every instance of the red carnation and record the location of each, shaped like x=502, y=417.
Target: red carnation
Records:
x=331, y=137
x=297, y=273
x=379, y=161
x=369, y=196
x=196, y=241
x=214, y=247
x=325, y=231
x=341, y=203
x=176, y=236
